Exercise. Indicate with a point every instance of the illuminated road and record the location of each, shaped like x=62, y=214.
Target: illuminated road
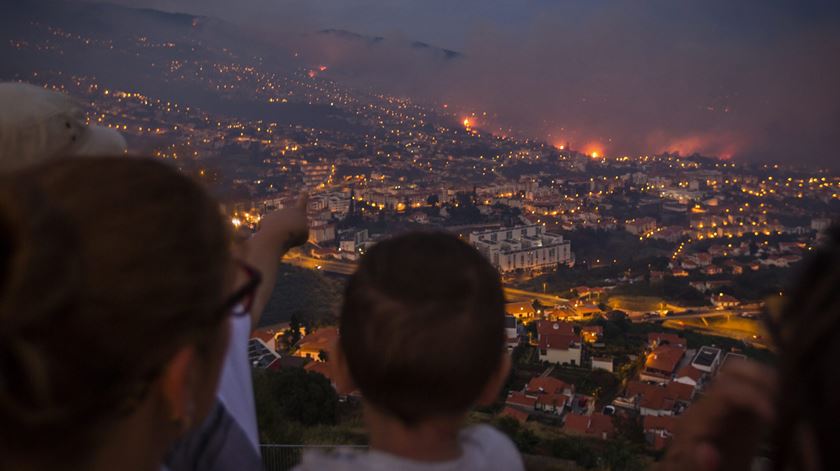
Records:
x=346, y=268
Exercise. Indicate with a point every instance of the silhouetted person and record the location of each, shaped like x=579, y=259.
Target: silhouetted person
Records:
x=422, y=338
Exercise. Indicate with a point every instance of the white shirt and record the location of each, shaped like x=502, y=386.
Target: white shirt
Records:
x=236, y=390
x=482, y=448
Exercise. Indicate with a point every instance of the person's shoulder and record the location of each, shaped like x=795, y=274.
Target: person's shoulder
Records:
x=490, y=446
x=338, y=460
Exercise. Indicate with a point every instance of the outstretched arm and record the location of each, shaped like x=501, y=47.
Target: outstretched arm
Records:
x=279, y=232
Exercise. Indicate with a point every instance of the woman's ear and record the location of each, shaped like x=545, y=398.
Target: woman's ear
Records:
x=337, y=362
x=497, y=380
x=178, y=385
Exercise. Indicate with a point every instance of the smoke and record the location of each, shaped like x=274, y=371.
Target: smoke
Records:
x=746, y=80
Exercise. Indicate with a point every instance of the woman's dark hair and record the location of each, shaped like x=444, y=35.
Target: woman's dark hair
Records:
x=107, y=267
x=808, y=338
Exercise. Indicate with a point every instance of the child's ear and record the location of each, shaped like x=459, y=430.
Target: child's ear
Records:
x=338, y=368
x=491, y=390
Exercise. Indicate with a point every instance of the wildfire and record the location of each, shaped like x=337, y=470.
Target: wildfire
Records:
x=312, y=74
x=322, y=68
x=468, y=123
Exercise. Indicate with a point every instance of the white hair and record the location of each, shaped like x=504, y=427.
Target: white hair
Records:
x=37, y=124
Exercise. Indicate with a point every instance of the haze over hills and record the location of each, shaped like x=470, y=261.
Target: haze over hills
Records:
x=530, y=87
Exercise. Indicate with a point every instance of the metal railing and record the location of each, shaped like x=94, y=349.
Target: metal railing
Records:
x=286, y=457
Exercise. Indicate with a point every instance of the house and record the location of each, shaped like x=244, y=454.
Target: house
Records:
x=511, y=334
x=658, y=430
x=734, y=267
x=322, y=340
x=519, y=415
x=554, y=327
x=320, y=233
x=707, y=359
x=679, y=272
x=688, y=265
x=732, y=357
x=552, y=394
x=661, y=363
x=521, y=400
x=689, y=375
x=602, y=363
x=549, y=385
x=558, y=342
x=775, y=261
x=640, y=226
x=552, y=403
x=718, y=251
x=655, y=399
x=712, y=270
x=700, y=259
x=520, y=310
x=656, y=339
x=560, y=348
x=596, y=425
x=724, y=301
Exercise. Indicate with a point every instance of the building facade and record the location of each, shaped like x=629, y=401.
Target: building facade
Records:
x=522, y=247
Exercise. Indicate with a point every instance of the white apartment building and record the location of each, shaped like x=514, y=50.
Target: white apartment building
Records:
x=522, y=247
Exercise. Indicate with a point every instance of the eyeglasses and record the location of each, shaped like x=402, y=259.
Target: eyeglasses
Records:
x=240, y=302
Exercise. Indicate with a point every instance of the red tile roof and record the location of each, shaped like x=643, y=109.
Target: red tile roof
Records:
x=662, y=422
x=597, y=424
x=576, y=423
x=665, y=358
x=266, y=335
x=601, y=425
x=519, y=308
x=679, y=391
x=655, y=397
x=520, y=415
x=558, y=341
x=556, y=401
x=547, y=385
x=554, y=327
x=321, y=339
x=520, y=399
x=689, y=371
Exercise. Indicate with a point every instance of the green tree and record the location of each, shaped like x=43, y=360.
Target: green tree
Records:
x=296, y=395
x=293, y=333
x=630, y=429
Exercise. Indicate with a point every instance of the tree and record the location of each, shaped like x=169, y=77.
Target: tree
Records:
x=295, y=394
x=629, y=428
x=293, y=332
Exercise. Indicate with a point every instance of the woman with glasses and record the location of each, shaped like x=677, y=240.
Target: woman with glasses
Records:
x=119, y=296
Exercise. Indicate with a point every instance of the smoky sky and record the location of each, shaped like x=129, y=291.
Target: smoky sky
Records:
x=745, y=79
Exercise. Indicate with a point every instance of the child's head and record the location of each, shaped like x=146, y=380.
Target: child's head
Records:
x=422, y=327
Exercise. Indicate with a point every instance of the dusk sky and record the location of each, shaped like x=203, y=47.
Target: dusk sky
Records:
x=745, y=79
